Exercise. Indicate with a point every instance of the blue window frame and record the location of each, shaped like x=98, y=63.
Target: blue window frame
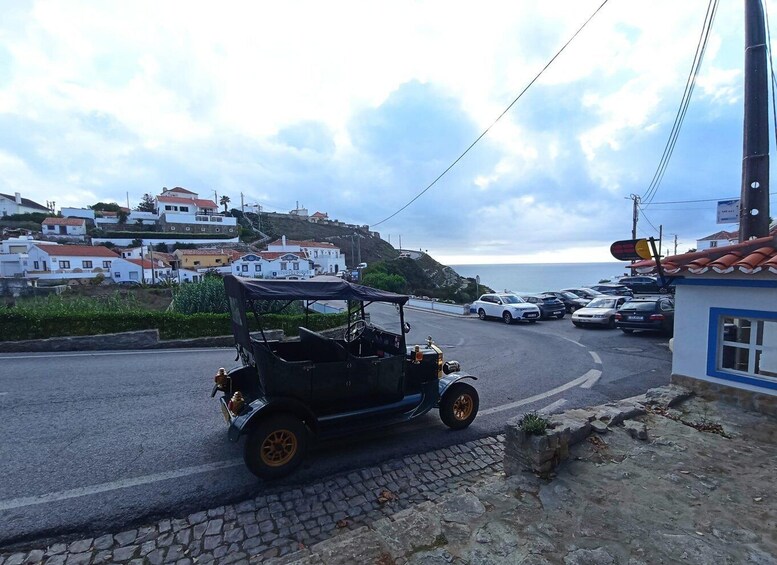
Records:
x=738, y=341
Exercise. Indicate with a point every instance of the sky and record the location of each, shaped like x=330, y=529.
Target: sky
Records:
x=353, y=108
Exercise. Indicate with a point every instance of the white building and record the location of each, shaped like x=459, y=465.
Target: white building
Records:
x=10, y=205
x=181, y=201
x=726, y=320
x=68, y=261
x=274, y=265
x=85, y=213
x=327, y=257
x=140, y=271
x=717, y=239
x=64, y=228
x=13, y=254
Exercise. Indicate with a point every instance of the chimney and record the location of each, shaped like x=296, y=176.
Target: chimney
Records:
x=283, y=240
x=18, y=198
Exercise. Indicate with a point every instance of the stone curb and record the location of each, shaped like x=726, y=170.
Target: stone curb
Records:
x=284, y=520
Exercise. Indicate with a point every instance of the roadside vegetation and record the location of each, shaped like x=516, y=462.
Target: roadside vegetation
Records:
x=200, y=310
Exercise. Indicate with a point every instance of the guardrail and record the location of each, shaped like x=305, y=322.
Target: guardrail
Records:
x=458, y=309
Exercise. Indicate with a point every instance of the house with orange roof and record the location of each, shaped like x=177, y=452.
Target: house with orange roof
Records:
x=64, y=228
x=327, y=257
x=274, y=265
x=51, y=262
x=717, y=239
x=141, y=271
x=726, y=320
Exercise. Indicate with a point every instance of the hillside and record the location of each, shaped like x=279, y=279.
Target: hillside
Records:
x=423, y=275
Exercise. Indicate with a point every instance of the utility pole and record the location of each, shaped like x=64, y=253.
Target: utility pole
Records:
x=400, y=242
x=675, y=244
x=754, y=202
x=660, y=237
x=635, y=215
x=242, y=204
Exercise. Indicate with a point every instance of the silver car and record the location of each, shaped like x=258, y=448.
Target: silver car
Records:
x=599, y=312
x=509, y=307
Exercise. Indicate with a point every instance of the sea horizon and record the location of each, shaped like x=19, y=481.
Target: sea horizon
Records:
x=539, y=277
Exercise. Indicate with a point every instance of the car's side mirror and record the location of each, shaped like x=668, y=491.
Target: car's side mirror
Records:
x=499, y=302
x=406, y=328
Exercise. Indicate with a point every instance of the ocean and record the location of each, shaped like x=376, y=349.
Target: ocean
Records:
x=539, y=277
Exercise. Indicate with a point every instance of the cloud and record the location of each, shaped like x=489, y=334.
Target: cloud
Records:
x=355, y=108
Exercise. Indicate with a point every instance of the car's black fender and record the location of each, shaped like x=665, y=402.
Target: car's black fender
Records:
x=448, y=380
x=263, y=407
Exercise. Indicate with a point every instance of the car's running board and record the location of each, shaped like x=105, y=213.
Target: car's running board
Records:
x=407, y=403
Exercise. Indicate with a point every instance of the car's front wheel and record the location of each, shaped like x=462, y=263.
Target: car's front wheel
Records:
x=560, y=316
x=507, y=318
x=276, y=446
x=459, y=406
x=576, y=324
x=482, y=314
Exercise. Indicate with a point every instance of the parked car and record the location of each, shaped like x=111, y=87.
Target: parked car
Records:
x=612, y=289
x=549, y=305
x=287, y=393
x=570, y=300
x=649, y=313
x=640, y=284
x=584, y=292
x=509, y=307
x=599, y=312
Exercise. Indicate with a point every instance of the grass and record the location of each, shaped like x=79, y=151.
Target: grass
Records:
x=533, y=424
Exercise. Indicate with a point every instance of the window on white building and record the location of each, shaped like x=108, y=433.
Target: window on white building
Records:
x=62, y=264
x=106, y=264
x=86, y=264
x=295, y=266
x=745, y=346
x=117, y=275
x=244, y=268
x=713, y=243
x=283, y=265
x=184, y=208
x=258, y=268
x=169, y=208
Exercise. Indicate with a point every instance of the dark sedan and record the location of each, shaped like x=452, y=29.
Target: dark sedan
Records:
x=584, y=292
x=612, y=289
x=649, y=313
x=549, y=305
x=571, y=300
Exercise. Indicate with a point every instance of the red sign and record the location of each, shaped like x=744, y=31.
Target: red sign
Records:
x=631, y=250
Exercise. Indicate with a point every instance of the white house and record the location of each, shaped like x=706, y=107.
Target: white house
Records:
x=180, y=200
x=717, y=239
x=10, y=205
x=327, y=257
x=726, y=320
x=64, y=228
x=86, y=213
x=68, y=261
x=274, y=265
x=140, y=271
x=13, y=254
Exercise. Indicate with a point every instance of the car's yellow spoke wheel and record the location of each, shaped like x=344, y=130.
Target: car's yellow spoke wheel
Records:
x=278, y=448
x=462, y=407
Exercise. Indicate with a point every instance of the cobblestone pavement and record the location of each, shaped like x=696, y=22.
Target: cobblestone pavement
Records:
x=283, y=521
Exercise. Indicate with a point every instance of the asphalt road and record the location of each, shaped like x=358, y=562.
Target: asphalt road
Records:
x=95, y=442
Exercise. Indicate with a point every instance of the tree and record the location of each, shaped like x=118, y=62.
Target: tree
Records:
x=146, y=204
x=122, y=215
x=161, y=247
x=384, y=281
x=106, y=207
x=224, y=202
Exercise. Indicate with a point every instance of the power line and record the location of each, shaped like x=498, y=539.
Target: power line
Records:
x=699, y=200
x=417, y=196
x=690, y=83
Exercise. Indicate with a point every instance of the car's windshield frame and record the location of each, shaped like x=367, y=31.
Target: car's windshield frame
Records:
x=511, y=299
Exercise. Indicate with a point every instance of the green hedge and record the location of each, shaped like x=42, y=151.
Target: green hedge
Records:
x=16, y=326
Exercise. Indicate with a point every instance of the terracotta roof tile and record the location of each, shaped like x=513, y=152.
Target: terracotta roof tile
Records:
x=749, y=257
x=202, y=203
x=64, y=222
x=77, y=251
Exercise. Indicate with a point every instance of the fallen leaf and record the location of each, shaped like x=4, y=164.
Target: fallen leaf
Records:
x=342, y=523
x=386, y=496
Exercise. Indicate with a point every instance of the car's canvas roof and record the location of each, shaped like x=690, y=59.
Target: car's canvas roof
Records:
x=317, y=288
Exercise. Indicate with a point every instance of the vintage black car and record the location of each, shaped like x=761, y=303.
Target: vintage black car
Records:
x=288, y=393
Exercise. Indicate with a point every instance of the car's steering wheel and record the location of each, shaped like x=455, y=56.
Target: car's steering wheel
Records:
x=355, y=331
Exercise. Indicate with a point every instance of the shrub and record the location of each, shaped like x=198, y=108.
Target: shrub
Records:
x=533, y=424
x=205, y=296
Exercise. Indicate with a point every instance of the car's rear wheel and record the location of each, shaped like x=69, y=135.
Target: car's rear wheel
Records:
x=276, y=446
x=624, y=330
x=459, y=406
x=482, y=314
x=611, y=322
x=507, y=318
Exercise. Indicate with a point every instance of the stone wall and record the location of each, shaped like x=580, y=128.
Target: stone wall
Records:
x=746, y=399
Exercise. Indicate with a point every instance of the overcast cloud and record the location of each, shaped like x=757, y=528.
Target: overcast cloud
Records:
x=352, y=108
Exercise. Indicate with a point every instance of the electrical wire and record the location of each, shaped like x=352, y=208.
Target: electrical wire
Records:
x=482, y=135
x=690, y=84
x=701, y=200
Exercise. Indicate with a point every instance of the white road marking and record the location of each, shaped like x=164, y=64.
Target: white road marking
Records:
x=537, y=397
x=591, y=377
x=12, y=503
x=3, y=393
x=108, y=353
x=553, y=406
x=570, y=340
x=596, y=357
